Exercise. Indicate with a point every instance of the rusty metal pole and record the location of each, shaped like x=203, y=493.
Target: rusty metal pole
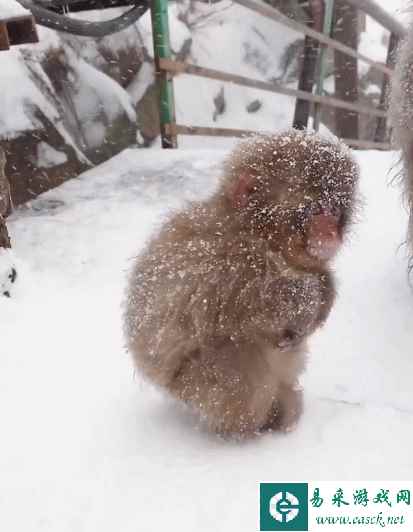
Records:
x=162, y=50
x=327, y=25
x=309, y=66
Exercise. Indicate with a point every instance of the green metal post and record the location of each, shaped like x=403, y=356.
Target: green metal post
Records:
x=327, y=25
x=162, y=49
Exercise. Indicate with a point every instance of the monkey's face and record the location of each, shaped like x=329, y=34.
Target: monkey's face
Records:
x=313, y=207
x=297, y=191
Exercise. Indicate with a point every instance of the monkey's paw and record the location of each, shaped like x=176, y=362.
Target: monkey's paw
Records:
x=8, y=272
x=286, y=410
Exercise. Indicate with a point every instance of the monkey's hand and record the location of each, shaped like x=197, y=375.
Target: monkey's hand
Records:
x=287, y=409
x=292, y=309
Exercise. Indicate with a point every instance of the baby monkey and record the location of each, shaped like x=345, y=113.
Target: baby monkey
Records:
x=221, y=303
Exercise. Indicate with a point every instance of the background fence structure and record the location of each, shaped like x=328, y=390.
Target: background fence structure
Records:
x=310, y=94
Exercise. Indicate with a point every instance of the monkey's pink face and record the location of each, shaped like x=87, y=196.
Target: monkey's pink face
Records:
x=308, y=217
x=314, y=218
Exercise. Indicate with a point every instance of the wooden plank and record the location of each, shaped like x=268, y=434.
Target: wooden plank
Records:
x=381, y=129
x=273, y=14
x=179, y=129
x=309, y=65
x=322, y=61
x=368, y=144
x=22, y=30
x=346, y=78
x=4, y=37
x=180, y=68
x=17, y=30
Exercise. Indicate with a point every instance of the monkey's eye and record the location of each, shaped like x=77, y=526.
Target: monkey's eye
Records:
x=336, y=211
x=288, y=339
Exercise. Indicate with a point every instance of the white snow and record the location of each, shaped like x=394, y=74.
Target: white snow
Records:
x=141, y=82
x=18, y=91
x=87, y=446
x=101, y=89
x=47, y=156
x=10, y=9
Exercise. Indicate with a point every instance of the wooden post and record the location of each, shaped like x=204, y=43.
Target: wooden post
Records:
x=307, y=77
x=327, y=25
x=380, y=135
x=345, y=68
x=162, y=49
x=17, y=30
x=5, y=203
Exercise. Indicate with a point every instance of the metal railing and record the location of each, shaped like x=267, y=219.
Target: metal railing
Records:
x=167, y=68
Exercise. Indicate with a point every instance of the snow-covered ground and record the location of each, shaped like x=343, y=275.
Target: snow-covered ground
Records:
x=87, y=446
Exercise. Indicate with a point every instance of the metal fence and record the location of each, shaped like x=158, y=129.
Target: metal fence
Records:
x=167, y=68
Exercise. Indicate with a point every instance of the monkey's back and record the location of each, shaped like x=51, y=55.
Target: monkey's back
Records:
x=193, y=288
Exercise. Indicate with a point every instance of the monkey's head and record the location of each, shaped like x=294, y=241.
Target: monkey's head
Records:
x=295, y=189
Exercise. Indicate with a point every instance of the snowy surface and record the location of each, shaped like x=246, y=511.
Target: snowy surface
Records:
x=10, y=8
x=47, y=156
x=87, y=446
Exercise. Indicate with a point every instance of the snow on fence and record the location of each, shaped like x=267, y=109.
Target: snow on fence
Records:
x=166, y=68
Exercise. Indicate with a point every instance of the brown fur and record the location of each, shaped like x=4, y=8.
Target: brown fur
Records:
x=221, y=302
x=401, y=120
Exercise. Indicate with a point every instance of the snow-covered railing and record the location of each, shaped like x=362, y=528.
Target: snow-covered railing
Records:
x=166, y=68
x=273, y=14
x=177, y=67
x=176, y=129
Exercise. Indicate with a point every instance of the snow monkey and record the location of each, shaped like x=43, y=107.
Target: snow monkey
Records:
x=222, y=300
x=401, y=120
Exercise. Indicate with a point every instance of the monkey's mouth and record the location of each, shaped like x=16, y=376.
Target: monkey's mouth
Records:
x=323, y=236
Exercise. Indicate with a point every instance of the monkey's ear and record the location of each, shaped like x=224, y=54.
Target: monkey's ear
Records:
x=240, y=193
